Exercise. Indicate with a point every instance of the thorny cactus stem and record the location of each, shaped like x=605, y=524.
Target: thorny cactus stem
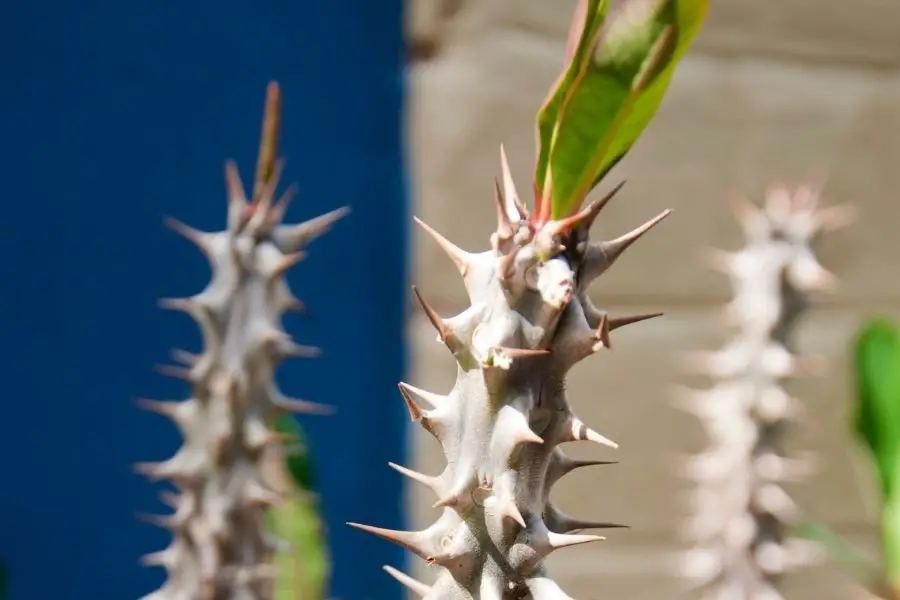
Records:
x=221, y=549
x=742, y=515
x=501, y=426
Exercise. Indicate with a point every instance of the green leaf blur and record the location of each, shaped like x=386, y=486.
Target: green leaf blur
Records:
x=877, y=424
x=877, y=415
x=299, y=464
x=304, y=569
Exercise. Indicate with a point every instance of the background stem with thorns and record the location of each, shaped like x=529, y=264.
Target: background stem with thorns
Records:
x=222, y=548
x=742, y=517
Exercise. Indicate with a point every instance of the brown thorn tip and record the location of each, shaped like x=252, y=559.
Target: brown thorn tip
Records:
x=176, y=372
x=304, y=407
x=595, y=207
x=435, y=319
x=590, y=212
x=185, y=231
x=603, y=330
x=300, y=351
x=558, y=540
x=404, y=538
x=524, y=352
x=507, y=264
x=284, y=201
x=180, y=304
x=526, y=435
x=233, y=182
x=158, y=406
x=268, y=143
x=504, y=225
x=294, y=304
x=509, y=186
x=617, y=322
x=183, y=356
x=433, y=399
x=581, y=432
x=614, y=248
x=456, y=254
x=446, y=502
x=415, y=411
x=151, y=519
x=509, y=510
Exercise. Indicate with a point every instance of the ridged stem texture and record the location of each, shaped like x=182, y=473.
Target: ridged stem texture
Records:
x=742, y=516
x=502, y=425
x=221, y=547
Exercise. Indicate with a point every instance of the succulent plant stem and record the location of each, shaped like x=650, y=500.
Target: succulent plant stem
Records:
x=221, y=548
x=502, y=425
x=742, y=515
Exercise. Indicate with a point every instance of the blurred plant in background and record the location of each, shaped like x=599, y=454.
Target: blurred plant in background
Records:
x=876, y=426
x=236, y=422
x=304, y=566
x=742, y=515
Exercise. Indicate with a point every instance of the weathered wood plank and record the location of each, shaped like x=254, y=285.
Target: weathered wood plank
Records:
x=862, y=32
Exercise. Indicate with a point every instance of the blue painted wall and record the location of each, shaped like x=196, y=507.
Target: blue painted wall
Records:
x=113, y=114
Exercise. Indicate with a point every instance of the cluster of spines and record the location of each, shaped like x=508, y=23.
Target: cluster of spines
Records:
x=501, y=425
x=742, y=516
x=221, y=547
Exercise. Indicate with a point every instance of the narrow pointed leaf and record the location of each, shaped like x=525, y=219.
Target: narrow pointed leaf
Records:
x=618, y=75
x=877, y=415
x=877, y=425
x=589, y=17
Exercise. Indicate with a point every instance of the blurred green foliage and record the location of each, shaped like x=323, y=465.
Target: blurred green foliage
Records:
x=304, y=569
x=876, y=425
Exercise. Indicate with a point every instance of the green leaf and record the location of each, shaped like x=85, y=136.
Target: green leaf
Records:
x=877, y=413
x=299, y=464
x=863, y=565
x=617, y=75
x=890, y=541
x=876, y=423
x=304, y=569
x=589, y=17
